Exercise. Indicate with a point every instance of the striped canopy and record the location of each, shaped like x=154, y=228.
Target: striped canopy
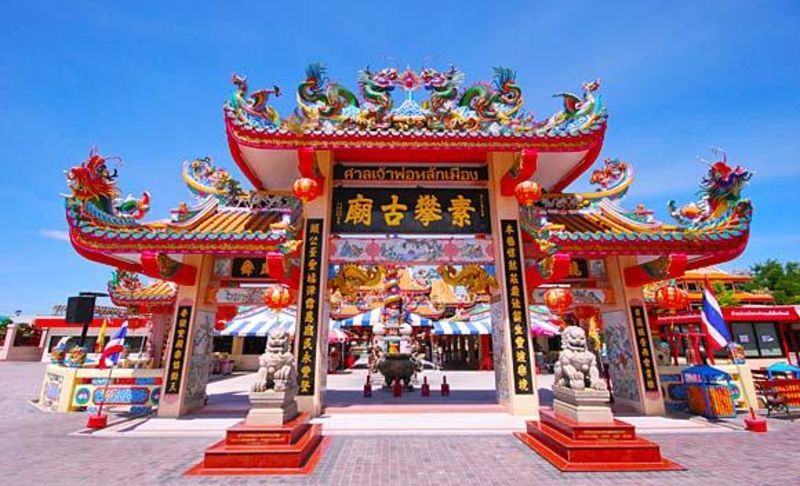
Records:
x=544, y=322
x=260, y=321
x=475, y=326
x=370, y=318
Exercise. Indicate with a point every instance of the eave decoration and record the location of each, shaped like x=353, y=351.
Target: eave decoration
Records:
x=595, y=223
x=493, y=107
x=126, y=290
x=106, y=228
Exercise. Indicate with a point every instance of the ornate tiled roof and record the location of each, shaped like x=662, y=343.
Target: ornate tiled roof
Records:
x=483, y=114
x=125, y=289
x=597, y=223
x=225, y=219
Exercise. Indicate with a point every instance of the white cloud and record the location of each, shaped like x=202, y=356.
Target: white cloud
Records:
x=52, y=234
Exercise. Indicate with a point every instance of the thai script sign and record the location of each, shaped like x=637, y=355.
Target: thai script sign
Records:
x=308, y=317
x=410, y=211
x=645, y=351
x=517, y=309
x=410, y=173
x=177, y=353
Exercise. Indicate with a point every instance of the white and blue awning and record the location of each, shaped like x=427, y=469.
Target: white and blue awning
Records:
x=370, y=318
x=260, y=322
x=475, y=326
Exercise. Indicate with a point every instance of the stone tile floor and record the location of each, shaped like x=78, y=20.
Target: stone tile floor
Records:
x=38, y=448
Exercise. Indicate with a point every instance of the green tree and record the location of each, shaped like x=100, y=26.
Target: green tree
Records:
x=782, y=280
x=726, y=298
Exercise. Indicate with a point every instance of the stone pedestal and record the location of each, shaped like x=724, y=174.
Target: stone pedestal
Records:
x=585, y=406
x=271, y=407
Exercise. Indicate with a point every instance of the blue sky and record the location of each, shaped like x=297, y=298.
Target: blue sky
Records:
x=146, y=81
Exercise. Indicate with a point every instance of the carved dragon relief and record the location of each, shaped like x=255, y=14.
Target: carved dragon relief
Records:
x=472, y=276
x=351, y=277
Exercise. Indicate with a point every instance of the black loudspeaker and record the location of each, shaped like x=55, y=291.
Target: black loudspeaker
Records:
x=80, y=310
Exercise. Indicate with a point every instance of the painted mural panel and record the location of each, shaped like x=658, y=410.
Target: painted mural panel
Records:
x=620, y=358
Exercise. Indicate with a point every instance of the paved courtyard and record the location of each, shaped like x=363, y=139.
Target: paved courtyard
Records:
x=44, y=448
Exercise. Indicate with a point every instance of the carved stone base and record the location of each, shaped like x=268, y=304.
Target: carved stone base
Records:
x=271, y=407
x=584, y=406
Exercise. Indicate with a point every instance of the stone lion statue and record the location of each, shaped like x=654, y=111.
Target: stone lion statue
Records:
x=576, y=367
x=276, y=368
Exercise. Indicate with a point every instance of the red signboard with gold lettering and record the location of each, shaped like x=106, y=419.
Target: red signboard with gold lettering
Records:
x=417, y=210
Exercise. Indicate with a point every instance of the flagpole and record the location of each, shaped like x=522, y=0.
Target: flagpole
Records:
x=105, y=389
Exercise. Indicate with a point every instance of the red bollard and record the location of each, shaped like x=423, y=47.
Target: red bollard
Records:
x=426, y=388
x=397, y=389
x=755, y=424
x=367, y=388
x=97, y=421
x=445, y=387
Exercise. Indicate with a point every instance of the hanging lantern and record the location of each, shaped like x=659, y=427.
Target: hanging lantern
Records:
x=671, y=298
x=277, y=297
x=527, y=193
x=306, y=189
x=583, y=312
x=558, y=300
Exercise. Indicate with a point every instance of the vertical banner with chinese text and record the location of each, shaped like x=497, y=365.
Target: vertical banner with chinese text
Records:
x=517, y=312
x=177, y=353
x=308, y=316
x=645, y=351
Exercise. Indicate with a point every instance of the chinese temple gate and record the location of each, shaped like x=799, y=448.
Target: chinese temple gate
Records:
x=435, y=178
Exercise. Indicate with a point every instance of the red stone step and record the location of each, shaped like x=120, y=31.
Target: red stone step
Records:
x=595, y=450
x=572, y=446
x=617, y=430
x=223, y=455
x=293, y=448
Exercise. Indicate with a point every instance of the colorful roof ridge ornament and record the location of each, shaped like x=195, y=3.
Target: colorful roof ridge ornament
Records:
x=254, y=106
x=494, y=108
x=720, y=196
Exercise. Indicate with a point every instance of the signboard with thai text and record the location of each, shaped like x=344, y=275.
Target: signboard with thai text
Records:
x=410, y=210
x=410, y=173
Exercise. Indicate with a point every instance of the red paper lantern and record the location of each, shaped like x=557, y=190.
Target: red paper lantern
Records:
x=306, y=189
x=585, y=311
x=558, y=300
x=527, y=193
x=277, y=297
x=671, y=298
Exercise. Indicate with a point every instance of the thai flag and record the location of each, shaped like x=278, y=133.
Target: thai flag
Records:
x=711, y=316
x=115, y=345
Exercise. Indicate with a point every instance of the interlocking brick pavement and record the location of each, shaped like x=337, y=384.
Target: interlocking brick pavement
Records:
x=38, y=448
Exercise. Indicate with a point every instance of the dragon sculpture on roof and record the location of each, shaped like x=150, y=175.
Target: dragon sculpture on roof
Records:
x=254, y=104
x=720, y=196
x=94, y=189
x=579, y=113
x=494, y=106
x=319, y=98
